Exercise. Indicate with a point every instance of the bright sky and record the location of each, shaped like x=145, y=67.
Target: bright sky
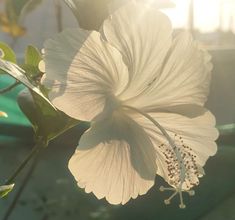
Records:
x=209, y=15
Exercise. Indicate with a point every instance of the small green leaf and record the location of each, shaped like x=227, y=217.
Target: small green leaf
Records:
x=32, y=59
x=7, y=53
x=32, y=56
x=48, y=123
x=19, y=74
x=4, y=190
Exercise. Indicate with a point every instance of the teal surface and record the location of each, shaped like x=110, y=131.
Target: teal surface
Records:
x=9, y=104
x=15, y=128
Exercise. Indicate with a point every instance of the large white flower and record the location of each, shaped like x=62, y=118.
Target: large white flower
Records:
x=143, y=91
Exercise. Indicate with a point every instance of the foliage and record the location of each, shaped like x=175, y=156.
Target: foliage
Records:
x=47, y=121
x=7, y=53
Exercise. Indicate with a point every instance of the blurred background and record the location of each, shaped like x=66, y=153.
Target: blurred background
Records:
x=51, y=193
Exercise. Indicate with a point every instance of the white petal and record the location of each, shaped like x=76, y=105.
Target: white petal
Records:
x=115, y=159
x=143, y=36
x=193, y=136
x=185, y=77
x=83, y=73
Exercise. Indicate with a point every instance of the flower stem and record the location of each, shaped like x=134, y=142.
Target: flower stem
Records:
x=9, y=88
x=33, y=152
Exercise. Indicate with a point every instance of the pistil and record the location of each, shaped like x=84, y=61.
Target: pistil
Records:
x=180, y=162
x=176, y=191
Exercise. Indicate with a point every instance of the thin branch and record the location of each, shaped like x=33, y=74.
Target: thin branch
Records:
x=24, y=163
x=21, y=189
x=9, y=88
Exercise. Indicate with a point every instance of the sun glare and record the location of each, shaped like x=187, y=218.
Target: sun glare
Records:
x=209, y=15
x=178, y=14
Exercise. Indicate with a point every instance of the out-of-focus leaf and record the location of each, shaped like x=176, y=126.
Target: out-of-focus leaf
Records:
x=30, y=6
x=14, y=30
x=7, y=53
x=11, y=17
x=11, y=26
x=4, y=190
x=10, y=20
x=48, y=123
x=17, y=8
x=14, y=8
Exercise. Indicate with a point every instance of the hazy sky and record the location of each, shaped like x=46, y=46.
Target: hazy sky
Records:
x=209, y=14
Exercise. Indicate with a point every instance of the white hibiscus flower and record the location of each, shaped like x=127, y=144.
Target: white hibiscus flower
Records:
x=143, y=91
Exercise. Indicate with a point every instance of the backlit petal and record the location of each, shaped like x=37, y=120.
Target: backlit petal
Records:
x=184, y=79
x=193, y=137
x=143, y=36
x=115, y=159
x=83, y=72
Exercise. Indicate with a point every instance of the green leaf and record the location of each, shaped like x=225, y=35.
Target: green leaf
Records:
x=12, y=10
x=7, y=53
x=19, y=74
x=48, y=123
x=4, y=190
x=32, y=59
x=32, y=56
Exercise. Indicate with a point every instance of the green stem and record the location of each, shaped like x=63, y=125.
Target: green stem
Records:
x=9, y=88
x=21, y=189
x=33, y=152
